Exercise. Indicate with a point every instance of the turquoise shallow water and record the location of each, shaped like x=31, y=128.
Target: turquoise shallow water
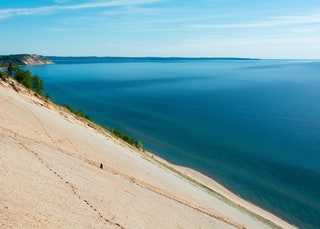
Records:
x=252, y=125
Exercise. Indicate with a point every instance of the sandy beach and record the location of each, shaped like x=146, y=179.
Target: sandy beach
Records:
x=50, y=177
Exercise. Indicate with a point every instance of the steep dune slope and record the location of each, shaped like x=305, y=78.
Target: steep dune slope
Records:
x=50, y=178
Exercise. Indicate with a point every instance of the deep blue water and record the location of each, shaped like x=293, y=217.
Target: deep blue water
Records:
x=252, y=125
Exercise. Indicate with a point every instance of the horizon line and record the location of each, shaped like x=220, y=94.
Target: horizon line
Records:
x=160, y=57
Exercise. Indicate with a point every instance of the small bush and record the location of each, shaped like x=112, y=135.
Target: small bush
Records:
x=127, y=139
x=68, y=107
x=47, y=96
x=138, y=144
x=3, y=76
x=78, y=113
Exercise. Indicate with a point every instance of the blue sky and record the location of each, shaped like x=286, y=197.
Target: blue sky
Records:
x=193, y=28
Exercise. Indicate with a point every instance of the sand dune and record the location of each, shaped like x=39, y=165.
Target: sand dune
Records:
x=50, y=178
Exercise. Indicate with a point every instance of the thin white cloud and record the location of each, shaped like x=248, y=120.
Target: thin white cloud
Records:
x=57, y=30
x=134, y=10
x=274, y=22
x=255, y=41
x=60, y=1
x=12, y=12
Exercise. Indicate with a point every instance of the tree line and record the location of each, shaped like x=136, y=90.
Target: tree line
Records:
x=25, y=77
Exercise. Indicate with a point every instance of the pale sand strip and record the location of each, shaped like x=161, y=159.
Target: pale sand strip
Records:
x=135, y=189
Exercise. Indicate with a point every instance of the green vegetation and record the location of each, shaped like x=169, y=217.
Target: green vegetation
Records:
x=34, y=83
x=13, y=59
x=10, y=69
x=78, y=112
x=127, y=139
x=37, y=84
x=47, y=96
x=22, y=59
x=138, y=144
x=3, y=76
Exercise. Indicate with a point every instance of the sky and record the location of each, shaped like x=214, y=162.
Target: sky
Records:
x=168, y=28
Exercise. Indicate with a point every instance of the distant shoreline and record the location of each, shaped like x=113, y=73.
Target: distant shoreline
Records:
x=23, y=59
x=137, y=59
x=154, y=57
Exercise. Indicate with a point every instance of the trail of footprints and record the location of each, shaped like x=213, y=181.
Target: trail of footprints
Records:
x=46, y=132
x=168, y=195
x=73, y=188
x=130, y=179
x=43, y=128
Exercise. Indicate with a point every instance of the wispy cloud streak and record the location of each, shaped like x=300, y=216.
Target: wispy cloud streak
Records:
x=12, y=12
x=274, y=22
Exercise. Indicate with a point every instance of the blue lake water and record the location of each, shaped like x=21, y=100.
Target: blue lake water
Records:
x=252, y=125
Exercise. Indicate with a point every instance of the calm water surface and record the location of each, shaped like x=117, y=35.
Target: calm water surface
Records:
x=252, y=125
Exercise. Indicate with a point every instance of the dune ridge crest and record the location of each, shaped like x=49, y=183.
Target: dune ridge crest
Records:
x=24, y=59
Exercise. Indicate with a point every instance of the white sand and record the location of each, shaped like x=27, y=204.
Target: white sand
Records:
x=50, y=178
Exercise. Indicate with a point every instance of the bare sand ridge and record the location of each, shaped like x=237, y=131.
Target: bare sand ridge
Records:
x=50, y=177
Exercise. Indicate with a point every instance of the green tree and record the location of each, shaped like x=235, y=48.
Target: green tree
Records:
x=27, y=80
x=19, y=74
x=37, y=84
x=10, y=69
x=138, y=144
x=24, y=77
